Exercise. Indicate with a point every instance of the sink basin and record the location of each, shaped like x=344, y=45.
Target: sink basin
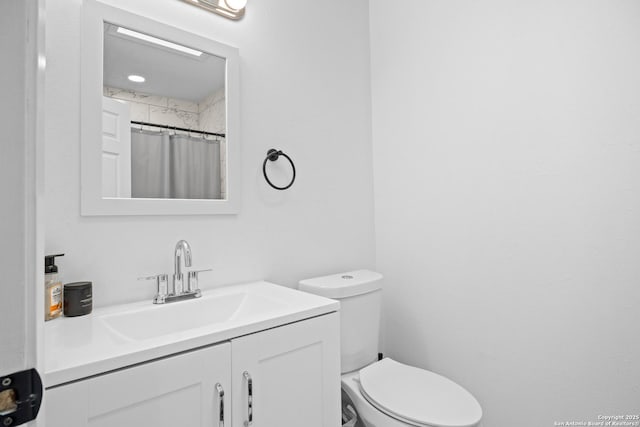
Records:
x=124, y=335
x=158, y=320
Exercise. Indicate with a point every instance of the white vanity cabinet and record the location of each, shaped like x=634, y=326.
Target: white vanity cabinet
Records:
x=288, y=376
x=285, y=376
x=182, y=390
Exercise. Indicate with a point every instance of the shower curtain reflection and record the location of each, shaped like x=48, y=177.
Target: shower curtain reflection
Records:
x=174, y=166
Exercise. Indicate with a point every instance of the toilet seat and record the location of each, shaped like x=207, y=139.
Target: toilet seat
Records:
x=418, y=397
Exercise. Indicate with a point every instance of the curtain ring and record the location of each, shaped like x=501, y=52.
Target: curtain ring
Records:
x=273, y=155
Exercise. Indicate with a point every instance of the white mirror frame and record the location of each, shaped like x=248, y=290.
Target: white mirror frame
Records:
x=92, y=202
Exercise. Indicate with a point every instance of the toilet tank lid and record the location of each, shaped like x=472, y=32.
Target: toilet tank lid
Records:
x=343, y=285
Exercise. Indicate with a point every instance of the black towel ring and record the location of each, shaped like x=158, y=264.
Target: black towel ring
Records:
x=273, y=156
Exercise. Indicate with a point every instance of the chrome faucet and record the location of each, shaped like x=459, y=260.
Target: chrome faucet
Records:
x=177, y=291
x=182, y=249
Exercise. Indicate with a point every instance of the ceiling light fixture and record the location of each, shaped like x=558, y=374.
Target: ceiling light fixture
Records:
x=136, y=78
x=159, y=42
x=236, y=4
x=232, y=9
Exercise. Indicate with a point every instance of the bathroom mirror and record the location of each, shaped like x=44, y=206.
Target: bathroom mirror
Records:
x=159, y=118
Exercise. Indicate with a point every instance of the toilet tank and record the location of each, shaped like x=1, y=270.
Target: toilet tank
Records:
x=360, y=296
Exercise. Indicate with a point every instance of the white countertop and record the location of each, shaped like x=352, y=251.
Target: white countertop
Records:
x=80, y=347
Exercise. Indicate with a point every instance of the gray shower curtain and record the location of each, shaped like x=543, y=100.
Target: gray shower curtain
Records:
x=174, y=166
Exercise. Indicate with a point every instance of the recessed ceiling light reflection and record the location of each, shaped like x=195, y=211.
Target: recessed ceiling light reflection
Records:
x=136, y=79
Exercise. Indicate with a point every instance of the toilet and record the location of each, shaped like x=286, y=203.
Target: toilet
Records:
x=386, y=393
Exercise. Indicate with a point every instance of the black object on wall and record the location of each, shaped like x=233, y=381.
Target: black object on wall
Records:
x=21, y=395
x=273, y=155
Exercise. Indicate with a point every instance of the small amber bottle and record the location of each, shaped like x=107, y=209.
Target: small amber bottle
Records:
x=52, y=288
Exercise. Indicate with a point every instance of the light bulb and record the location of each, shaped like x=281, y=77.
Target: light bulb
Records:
x=137, y=79
x=236, y=4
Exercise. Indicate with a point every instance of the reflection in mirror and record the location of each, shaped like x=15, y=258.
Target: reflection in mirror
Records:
x=164, y=119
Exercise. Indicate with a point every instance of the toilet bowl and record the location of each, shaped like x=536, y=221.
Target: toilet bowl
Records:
x=386, y=393
x=391, y=394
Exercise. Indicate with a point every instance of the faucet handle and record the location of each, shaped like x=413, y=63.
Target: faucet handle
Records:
x=162, y=281
x=192, y=279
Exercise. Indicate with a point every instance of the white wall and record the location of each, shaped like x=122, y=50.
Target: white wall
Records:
x=304, y=89
x=507, y=192
x=13, y=18
x=21, y=162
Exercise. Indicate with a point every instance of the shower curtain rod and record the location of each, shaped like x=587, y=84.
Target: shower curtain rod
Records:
x=201, y=132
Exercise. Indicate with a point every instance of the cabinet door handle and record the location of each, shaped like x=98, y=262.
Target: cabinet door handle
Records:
x=220, y=391
x=249, y=419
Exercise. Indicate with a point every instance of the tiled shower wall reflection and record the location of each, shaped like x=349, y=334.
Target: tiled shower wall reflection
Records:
x=208, y=115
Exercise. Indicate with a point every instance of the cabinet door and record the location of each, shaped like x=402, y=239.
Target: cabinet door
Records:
x=175, y=391
x=288, y=376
